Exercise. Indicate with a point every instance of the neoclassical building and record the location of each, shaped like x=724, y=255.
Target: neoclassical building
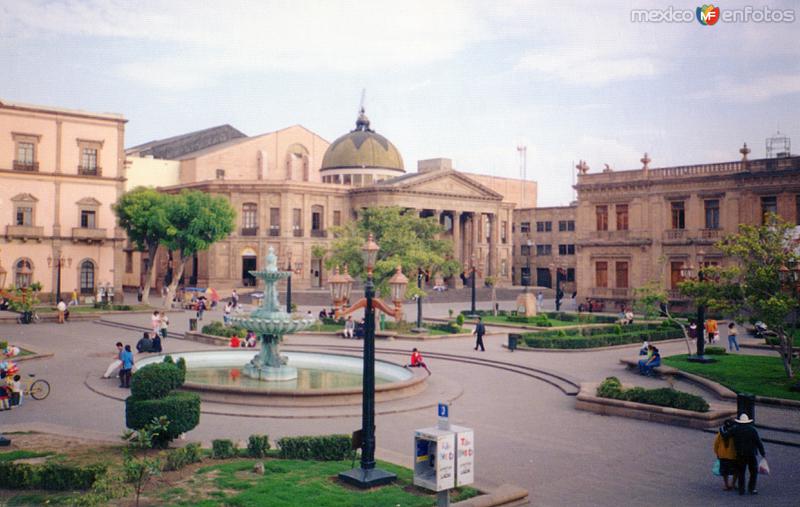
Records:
x=291, y=186
x=61, y=171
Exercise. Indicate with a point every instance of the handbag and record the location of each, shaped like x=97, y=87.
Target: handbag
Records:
x=763, y=466
x=715, y=468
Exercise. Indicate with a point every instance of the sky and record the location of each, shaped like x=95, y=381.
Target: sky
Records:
x=461, y=79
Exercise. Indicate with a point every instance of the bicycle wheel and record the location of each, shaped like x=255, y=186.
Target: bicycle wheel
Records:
x=40, y=389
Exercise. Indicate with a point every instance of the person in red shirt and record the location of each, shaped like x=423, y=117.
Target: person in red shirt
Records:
x=416, y=361
x=235, y=342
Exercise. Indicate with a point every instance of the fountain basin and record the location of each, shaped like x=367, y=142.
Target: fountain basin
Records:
x=323, y=379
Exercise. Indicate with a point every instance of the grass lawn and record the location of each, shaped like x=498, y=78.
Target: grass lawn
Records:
x=292, y=483
x=759, y=375
x=21, y=454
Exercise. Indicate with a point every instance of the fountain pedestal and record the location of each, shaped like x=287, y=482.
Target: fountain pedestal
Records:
x=270, y=323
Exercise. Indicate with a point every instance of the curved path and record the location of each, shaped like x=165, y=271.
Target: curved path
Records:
x=527, y=431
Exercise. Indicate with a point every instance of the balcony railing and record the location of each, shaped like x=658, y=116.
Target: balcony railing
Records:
x=24, y=231
x=249, y=231
x=85, y=233
x=675, y=294
x=298, y=233
x=711, y=233
x=274, y=231
x=610, y=292
x=26, y=166
x=89, y=171
x=675, y=234
x=318, y=233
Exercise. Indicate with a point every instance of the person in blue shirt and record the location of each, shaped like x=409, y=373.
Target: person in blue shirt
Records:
x=127, y=367
x=654, y=359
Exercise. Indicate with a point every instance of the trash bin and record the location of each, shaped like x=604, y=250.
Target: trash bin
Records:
x=746, y=404
x=192, y=324
x=513, y=340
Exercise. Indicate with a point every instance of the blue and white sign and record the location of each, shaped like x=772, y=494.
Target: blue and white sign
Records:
x=444, y=410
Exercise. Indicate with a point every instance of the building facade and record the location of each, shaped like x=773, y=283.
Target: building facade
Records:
x=62, y=170
x=637, y=226
x=291, y=186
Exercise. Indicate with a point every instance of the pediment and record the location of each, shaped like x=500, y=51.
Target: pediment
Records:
x=88, y=201
x=24, y=197
x=447, y=183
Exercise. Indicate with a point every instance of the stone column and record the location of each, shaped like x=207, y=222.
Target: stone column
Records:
x=286, y=216
x=494, y=243
x=457, y=236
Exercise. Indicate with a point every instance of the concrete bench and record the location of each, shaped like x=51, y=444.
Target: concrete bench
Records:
x=662, y=371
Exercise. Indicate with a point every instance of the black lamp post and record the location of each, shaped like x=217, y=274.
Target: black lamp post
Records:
x=58, y=263
x=699, y=357
x=473, y=312
x=289, y=284
x=368, y=475
x=559, y=293
x=419, y=328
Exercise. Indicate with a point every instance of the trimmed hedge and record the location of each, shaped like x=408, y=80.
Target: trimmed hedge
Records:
x=182, y=456
x=611, y=387
x=155, y=381
x=223, y=449
x=585, y=338
x=562, y=316
x=217, y=328
x=48, y=476
x=449, y=327
x=318, y=448
x=182, y=410
x=716, y=351
x=257, y=446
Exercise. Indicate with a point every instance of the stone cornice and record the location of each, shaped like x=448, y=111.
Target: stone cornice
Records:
x=615, y=242
x=51, y=176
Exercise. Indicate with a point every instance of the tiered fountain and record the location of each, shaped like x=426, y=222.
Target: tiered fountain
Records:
x=270, y=323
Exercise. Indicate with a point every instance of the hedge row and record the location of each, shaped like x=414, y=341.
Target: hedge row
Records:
x=217, y=328
x=182, y=456
x=182, y=409
x=611, y=387
x=536, y=340
x=48, y=476
x=319, y=448
x=563, y=316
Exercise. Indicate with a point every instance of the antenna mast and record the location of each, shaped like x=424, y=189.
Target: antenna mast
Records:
x=523, y=169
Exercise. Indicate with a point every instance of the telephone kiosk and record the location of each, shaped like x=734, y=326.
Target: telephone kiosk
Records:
x=443, y=458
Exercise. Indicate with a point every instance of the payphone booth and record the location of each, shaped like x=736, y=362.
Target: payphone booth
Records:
x=443, y=459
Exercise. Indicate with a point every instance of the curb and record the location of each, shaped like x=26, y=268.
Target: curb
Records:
x=507, y=495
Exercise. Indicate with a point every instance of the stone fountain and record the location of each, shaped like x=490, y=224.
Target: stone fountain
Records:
x=270, y=323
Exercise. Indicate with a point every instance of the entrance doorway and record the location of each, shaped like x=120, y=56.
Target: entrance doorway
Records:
x=248, y=264
x=543, y=277
x=316, y=273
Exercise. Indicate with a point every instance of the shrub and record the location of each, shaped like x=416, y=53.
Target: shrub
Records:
x=664, y=396
x=182, y=410
x=181, y=364
x=257, y=446
x=460, y=319
x=617, y=329
x=223, y=449
x=179, y=458
x=599, y=337
x=716, y=351
x=217, y=328
x=155, y=381
x=321, y=448
x=48, y=476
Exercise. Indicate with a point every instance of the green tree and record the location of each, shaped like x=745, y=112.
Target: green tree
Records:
x=752, y=287
x=405, y=239
x=652, y=301
x=142, y=212
x=196, y=221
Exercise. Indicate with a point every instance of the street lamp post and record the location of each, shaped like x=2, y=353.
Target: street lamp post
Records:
x=368, y=475
x=688, y=272
x=419, y=328
x=58, y=263
x=289, y=283
x=473, y=312
x=530, y=275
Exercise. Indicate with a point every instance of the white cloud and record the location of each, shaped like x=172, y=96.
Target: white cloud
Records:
x=584, y=67
x=759, y=89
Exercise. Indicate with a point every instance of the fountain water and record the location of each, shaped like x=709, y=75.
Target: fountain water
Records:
x=270, y=323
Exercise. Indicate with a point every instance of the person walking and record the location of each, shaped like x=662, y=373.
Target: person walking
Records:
x=732, y=333
x=62, y=311
x=479, y=331
x=127, y=367
x=748, y=445
x=163, y=325
x=235, y=299
x=155, y=322
x=73, y=301
x=201, y=308
x=711, y=330
x=226, y=313
x=539, y=301
x=725, y=450
x=139, y=294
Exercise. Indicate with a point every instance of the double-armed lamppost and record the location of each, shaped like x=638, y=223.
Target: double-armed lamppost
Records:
x=367, y=475
x=420, y=277
x=473, y=312
x=687, y=272
x=58, y=263
x=560, y=275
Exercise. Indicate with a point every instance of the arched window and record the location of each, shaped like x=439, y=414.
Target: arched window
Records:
x=23, y=273
x=297, y=162
x=87, y=277
x=249, y=219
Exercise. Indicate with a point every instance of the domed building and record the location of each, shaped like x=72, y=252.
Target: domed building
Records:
x=361, y=157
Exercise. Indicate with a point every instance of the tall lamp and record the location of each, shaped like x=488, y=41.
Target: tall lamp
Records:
x=367, y=475
x=58, y=263
x=688, y=273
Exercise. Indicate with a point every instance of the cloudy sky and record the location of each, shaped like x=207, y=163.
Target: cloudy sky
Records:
x=462, y=79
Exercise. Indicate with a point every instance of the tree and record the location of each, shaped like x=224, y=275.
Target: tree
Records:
x=752, y=287
x=405, y=239
x=653, y=301
x=196, y=221
x=142, y=212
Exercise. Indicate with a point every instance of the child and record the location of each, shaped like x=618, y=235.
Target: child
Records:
x=416, y=361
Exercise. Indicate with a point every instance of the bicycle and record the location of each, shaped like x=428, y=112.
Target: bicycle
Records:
x=28, y=318
x=37, y=389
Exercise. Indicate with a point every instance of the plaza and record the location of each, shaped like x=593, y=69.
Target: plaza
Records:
x=527, y=432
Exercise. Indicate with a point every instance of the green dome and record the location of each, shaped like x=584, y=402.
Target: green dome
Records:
x=362, y=149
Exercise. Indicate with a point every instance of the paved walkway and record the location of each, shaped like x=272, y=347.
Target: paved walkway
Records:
x=527, y=432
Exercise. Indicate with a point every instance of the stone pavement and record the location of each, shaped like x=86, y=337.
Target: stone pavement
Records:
x=527, y=432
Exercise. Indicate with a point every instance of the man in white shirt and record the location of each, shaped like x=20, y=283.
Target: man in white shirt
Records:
x=62, y=310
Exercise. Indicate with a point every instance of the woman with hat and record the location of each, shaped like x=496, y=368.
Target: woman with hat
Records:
x=748, y=445
x=726, y=453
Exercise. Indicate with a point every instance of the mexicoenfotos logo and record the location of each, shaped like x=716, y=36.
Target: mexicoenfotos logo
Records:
x=707, y=15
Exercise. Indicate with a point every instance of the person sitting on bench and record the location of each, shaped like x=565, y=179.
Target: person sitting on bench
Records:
x=653, y=360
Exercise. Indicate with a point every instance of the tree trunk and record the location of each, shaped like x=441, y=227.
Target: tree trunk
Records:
x=683, y=328
x=786, y=342
x=152, y=250
x=176, y=277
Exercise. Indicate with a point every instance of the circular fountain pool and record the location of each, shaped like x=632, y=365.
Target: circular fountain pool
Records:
x=322, y=379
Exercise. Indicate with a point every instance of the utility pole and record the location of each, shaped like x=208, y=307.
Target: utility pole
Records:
x=523, y=169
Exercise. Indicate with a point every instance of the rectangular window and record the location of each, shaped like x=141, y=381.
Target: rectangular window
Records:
x=539, y=226
x=503, y=228
x=601, y=274
x=297, y=222
x=566, y=249
x=712, y=213
x=601, y=213
x=566, y=225
x=525, y=227
x=544, y=249
x=89, y=159
x=622, y=217
x=24, y=216
x=570, y=225
x=769, y=204
x=678, y=215
x=524, y=250
x=503, y=268
x=622, y=275
x=316, y=221
x=337, y=218
x=274, y=221
x=129, y=262
x=544, y=226
x=88, y=219
x=570, y=274
x=25, y=153
x=220, y=174
x=675, y=275
x=250, y=216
